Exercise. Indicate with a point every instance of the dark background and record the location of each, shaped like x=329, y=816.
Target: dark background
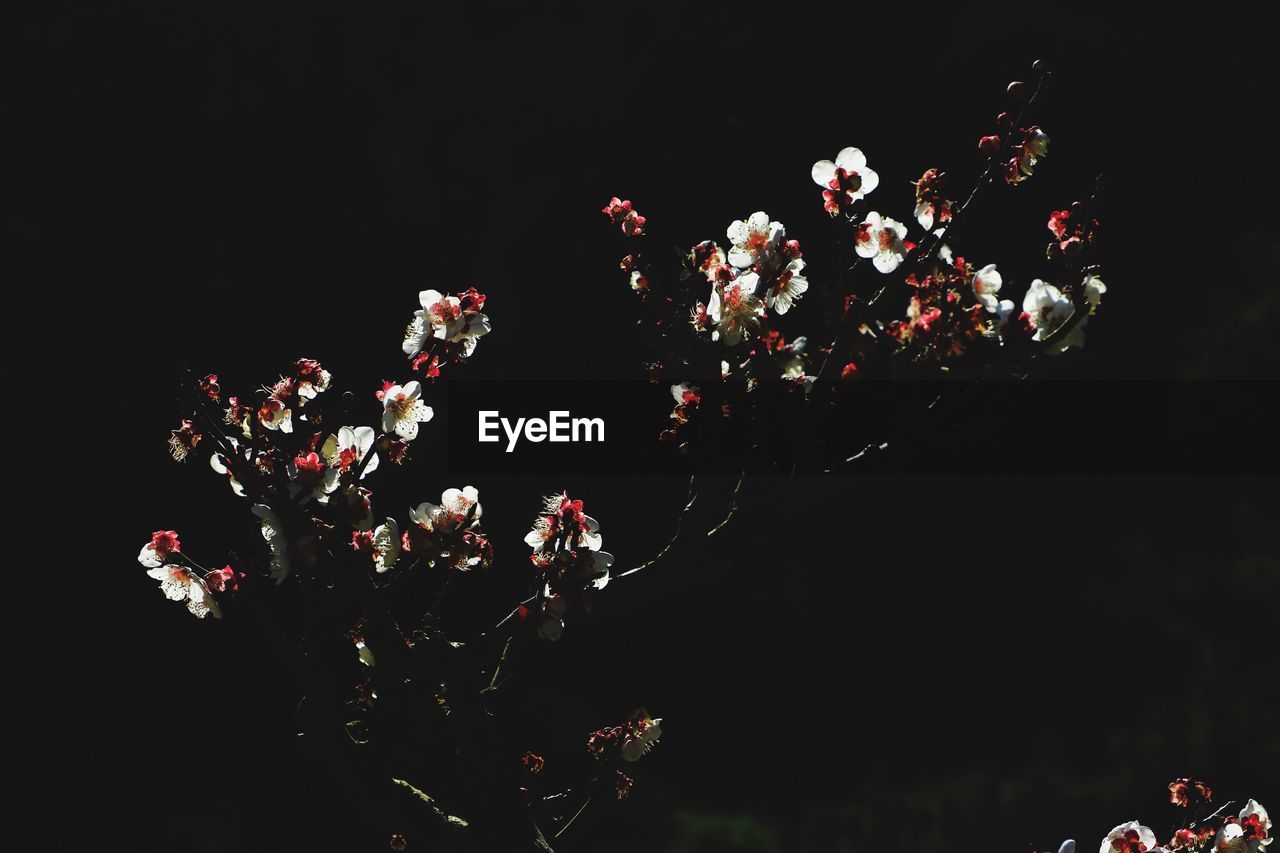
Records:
x=886, y=661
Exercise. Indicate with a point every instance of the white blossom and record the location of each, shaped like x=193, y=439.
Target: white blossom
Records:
x=755, y=239
x=1049, y=309
x=788, y=288
x=881, y=239
x=180, y=584
x=403, y=410
x=848, y=175
x=986, y=284
x=734, y=309
x=345, y=450
x=1145, y=836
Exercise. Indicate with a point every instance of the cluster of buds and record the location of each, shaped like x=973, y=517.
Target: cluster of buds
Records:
x=932, y=206
x=445, y=329
x=622, y=214
x=629, y=741
x=953, y=306
x=1074, y=231
x=449, y=533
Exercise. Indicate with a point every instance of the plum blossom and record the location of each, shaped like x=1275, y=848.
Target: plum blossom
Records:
x=931, y=205
x=457, y=508
x=881, y=239
x=844, y=181
x=275, y=415
x=754, y=240
x=273, y=533
x=345, y=450
x=451, y=319
x=788, y=288
x=440, y=317
x=403, y=410
x=1048, y=310
x=1130, y=837
x=311, y=477
x=622, y=214
x=386, y=546
x=311, y=379
x=1250, y=832
x=183, y=440
x=162, y=544
x=704, y=258
x=986, y=284
x=734, y=309
x=641, y=737
x=180, y=584
x=1035, y=146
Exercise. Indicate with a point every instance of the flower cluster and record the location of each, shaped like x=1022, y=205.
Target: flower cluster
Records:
x=1074, y=232
x=620, y=213
x=292, y=391
x=1203, y=830
x=445, y=328
x=630, y=741
x=952, y=306
x=566, y=554
x=449, y=533
x=932, y=206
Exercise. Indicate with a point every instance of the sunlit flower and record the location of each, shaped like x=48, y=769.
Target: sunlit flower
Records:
x=345, y=450
x=754, y=240
x=311, y=379
x=275, y=415
x=180, y=584
x=310, y=476
x=788, y=288
x=986, y=284
x=641, y=737
x=881, y=239
x=704, y=258
x=403, y=410
x=734, y=309
x=1131, y=837
x=457, y=508
x=1048, y=310
x=162, y=544
x=622, y=214
x=386, y=546
x=845, y=180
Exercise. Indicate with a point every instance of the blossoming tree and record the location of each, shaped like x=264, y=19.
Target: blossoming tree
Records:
x=352, y=601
